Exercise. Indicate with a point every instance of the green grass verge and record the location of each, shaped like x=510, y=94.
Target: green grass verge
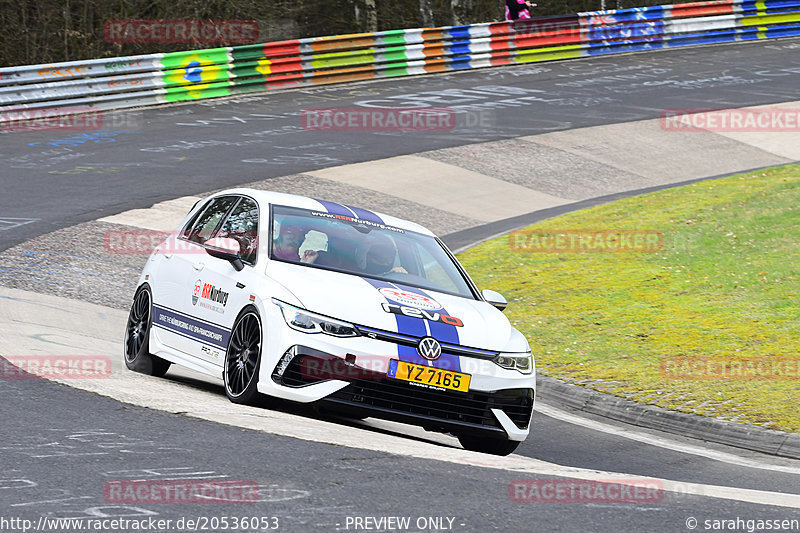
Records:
x=726, y=284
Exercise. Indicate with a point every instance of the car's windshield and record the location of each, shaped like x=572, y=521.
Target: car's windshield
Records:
x=364, y=248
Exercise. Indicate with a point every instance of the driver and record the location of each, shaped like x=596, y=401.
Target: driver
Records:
x=286, y=245
x=380, y=257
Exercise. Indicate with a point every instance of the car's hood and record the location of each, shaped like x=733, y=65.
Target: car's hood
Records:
x=387, y=306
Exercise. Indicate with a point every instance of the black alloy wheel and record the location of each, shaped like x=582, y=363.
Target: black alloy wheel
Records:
x=242, y=359
x=137, y=337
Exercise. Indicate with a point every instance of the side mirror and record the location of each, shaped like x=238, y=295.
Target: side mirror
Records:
x=227, y=249
x=494, y=298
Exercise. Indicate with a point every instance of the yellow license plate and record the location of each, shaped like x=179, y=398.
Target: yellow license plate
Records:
x=435, y=378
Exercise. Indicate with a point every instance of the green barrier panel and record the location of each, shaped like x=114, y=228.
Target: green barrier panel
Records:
x=250, y=69
x=200, y=70
x=393, y=38
x=197, y=92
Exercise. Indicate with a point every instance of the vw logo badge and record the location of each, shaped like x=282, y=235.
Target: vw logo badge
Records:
x=429, y=348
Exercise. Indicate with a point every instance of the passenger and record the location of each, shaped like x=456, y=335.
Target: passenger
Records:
x=518, y=9
x=286, y=245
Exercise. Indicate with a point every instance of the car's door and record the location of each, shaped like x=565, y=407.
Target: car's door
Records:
x=220, y=291
x=179, y=284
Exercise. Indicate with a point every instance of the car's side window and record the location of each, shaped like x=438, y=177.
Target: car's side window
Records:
x=202, y=227
x=187, y=229
x=242, y=225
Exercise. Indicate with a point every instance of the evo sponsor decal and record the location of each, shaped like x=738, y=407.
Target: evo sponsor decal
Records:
x=433, y=316
x=409, y=298
x=186, y=326
x=414, y=327
x=207, y=295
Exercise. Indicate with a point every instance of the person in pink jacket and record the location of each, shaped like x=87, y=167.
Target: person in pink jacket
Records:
x=517, y=9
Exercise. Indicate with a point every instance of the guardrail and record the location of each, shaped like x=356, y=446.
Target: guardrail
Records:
x=28, y=91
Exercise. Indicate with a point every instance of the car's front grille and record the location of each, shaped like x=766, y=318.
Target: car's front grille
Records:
x=472, y=407
x=395, y=399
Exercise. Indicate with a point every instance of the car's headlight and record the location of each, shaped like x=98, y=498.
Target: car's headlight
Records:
x=309, y=322
x=516, y=361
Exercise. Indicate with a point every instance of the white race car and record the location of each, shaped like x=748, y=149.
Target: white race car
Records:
x=314, y=301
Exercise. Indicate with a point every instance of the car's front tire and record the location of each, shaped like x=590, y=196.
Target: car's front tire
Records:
x=490, y=445
x=243, y=357
x=137, y=337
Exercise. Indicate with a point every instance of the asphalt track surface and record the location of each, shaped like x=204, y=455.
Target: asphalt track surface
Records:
x=60, y=445
x=161, y=153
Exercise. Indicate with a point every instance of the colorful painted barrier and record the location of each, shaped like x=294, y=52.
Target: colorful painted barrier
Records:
x=184, y=76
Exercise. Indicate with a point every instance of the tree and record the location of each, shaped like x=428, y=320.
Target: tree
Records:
x=460, y=10
x=426, y=13
x=371, y=15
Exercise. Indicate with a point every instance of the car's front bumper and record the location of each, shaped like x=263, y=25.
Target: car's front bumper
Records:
x=503, y=409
